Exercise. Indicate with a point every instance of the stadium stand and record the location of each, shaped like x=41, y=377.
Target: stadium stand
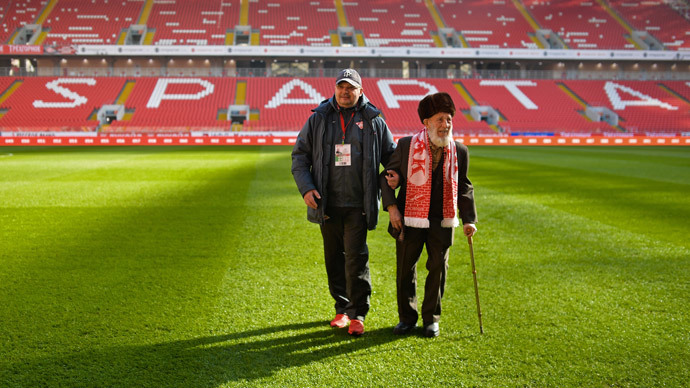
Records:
x=14, y=14
x=487, y=24
x=293, y=22
x=642, y=106
x=90, y=22
x=533, y=106
x=5, y=83
x=390, y=23
x=186, y=22
x=658, y=19
x=176, y=104
x=196, y=98
x=398, y=99
x=378, y=23
x=678, y=88
x=56, y=104
x=580, y=24
x=283, y=104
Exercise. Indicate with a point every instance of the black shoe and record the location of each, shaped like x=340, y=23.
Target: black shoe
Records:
x=431, y=330
x=403, y=328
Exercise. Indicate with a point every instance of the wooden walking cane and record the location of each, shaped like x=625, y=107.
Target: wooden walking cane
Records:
x=476, y=288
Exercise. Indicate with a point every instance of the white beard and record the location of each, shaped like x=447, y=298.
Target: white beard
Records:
x=438, y=141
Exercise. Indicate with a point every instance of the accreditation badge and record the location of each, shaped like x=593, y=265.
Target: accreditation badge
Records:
x=343, y=155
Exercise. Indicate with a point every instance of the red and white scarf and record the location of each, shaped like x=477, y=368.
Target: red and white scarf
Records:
x=419, y=171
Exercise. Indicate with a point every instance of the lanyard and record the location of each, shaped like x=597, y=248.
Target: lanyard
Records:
x=342, y=123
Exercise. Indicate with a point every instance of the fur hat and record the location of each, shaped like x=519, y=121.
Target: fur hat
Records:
x=434, y=103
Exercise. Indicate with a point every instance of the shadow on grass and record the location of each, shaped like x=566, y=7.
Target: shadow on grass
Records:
x=92, y=285
x=199, y=362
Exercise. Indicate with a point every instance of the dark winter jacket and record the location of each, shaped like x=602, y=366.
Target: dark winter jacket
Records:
x=312, y=154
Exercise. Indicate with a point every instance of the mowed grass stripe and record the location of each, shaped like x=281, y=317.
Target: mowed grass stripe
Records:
x=563, y=250
x=231, y=290
x=609, y=256
x=92, y=273
x=642, y=191
x=274, y=235
x=641, y=162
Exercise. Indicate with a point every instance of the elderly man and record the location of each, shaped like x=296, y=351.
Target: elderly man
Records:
x=431, y=170
x=335, y=163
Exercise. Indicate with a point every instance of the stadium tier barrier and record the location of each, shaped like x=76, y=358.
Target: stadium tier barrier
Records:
x=267, y=139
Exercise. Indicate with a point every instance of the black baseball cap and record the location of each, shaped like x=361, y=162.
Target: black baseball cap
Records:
x=350, y=76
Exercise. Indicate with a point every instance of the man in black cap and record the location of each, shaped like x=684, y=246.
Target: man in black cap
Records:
x=431, y=170
x=335, y=163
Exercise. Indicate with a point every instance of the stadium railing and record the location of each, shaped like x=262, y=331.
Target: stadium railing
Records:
x=679, y=74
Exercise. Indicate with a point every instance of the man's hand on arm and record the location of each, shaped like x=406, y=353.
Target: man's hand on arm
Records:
x=396, y=220
x=311, y=198
x=395, y=216
x=393, y=179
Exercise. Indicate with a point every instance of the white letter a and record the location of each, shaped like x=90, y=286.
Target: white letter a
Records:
x=281, y=97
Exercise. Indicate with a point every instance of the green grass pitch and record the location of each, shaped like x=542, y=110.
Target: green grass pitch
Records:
x=196, y=267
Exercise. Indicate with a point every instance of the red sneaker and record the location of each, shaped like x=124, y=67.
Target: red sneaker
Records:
x=356, y=327
x=340, y=320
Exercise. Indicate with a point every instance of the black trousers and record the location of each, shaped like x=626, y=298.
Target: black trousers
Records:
x=347, y=260
x=438, y=241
